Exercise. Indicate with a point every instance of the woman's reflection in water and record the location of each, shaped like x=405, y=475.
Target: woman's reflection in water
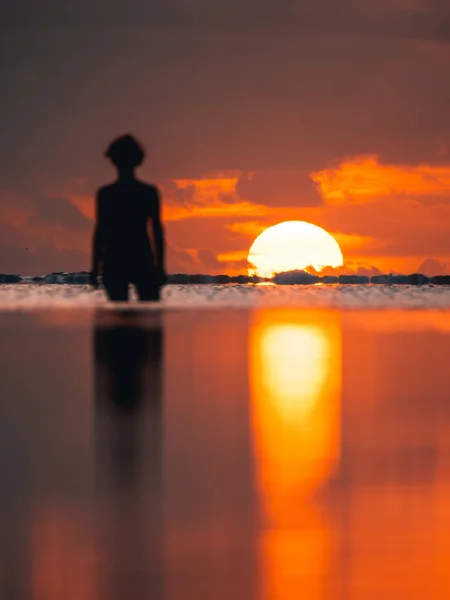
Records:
x=128, y=350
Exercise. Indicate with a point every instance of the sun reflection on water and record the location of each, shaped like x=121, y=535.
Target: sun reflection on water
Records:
x=295, y=377
x=294, y=357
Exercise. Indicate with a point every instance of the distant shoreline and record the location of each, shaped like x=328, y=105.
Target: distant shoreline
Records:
x=289, y=278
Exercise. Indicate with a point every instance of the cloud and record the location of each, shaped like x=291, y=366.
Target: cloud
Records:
x=207, y=198
x=179, y=261
x=59, y=212
x=238, y=267
x=249, y=229
x=355, y=243
x=432, y=267
x=45, y=258
x=349, y=268
x=235, y=256
x=229, y=198
x=21, y=209
x=209, y=259
x=364, y=179
x=40, y=234
x=278, y=187
x=235, y=263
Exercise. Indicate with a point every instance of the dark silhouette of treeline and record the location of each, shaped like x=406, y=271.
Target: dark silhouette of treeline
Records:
x=288, y=278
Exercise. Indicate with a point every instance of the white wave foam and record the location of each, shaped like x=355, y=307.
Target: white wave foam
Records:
x=33, y=296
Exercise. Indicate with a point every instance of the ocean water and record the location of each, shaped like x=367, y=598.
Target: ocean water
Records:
x=269, y=453
x=29, y=296
x=292, y=443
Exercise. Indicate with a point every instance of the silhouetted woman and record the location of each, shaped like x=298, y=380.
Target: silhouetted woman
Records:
x=121, y=244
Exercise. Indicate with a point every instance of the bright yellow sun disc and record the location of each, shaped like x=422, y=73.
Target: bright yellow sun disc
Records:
x=293, y=245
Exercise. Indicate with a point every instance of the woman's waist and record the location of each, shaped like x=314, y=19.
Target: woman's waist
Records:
x=127, y=244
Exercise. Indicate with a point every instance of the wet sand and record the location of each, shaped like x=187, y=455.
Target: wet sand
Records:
x=248, y=454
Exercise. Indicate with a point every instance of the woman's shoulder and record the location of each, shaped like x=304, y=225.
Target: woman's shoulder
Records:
x=106, y=190
x=149, y=188
x=140, y=188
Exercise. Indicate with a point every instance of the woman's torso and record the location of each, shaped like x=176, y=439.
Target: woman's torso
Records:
x=126, y=209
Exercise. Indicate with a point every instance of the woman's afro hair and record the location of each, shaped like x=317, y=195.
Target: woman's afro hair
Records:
x=125, y=151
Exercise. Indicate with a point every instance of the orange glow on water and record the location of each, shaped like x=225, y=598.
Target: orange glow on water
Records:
x=61, y=555
x=295, y=380
x=295, y=367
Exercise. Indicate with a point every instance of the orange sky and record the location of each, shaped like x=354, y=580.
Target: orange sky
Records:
x=385, y=216
x=251, y=115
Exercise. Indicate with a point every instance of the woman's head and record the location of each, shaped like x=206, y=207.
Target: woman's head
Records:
x=125, y=152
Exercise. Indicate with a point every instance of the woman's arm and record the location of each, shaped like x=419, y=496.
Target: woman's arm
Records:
x=158, y=236
x=97, y=241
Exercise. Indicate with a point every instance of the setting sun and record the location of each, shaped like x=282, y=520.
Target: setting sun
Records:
x=293, y=245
